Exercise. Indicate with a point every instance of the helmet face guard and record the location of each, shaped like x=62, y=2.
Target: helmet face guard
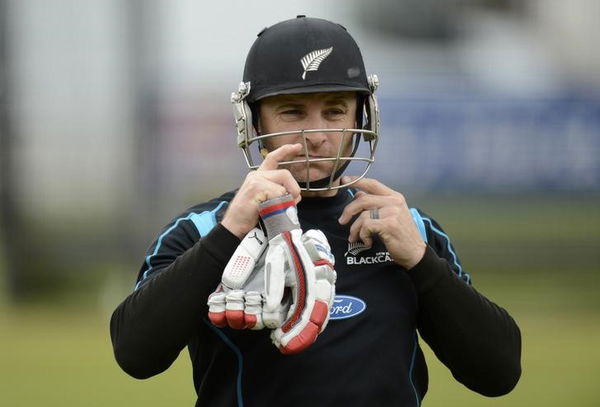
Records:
x=324, y=59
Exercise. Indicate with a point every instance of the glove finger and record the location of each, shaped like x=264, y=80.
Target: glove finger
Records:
x=331, y=296
x=292, y=344
x=216, y=309
x=301, y=282
x=234, y=309
x=317, y=247
x=298, y=331
x=318, y=296
x=274, y=319
x=324, y=295
x=253, y=310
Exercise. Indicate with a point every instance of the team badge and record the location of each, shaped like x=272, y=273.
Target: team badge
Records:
x=312, y=60
x=356, y=247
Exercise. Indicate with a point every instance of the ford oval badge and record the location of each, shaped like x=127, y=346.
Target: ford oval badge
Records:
x=346, y=306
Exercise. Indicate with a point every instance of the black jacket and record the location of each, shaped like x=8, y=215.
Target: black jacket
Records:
x=364, y=358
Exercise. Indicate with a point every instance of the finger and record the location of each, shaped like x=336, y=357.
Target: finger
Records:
x=361, y=231
x=357, y=225
x=359, y=193
x=283, y=153
x=260, y=186
x=370, y=185
x=360, y=204
x=285, y=179
x=369, y=228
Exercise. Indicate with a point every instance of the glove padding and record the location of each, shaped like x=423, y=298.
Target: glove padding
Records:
x=300, y=263
x=238, y=300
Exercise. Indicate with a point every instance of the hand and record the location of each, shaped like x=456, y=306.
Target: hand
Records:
x=302, y=264
x=238, y=300
x=393, y=224
x=265, y=183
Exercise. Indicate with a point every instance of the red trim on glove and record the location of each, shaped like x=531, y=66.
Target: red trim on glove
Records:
x=319, y=313
x=301, y=278
x=275, y=209
x=323, y=262
x=218, y=319
x=235, y=319
x=306, y=338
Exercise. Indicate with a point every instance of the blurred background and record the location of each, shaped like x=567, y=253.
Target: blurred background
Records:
x=115, y=116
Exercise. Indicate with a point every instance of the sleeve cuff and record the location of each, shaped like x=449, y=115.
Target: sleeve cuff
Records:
x=427, y=272
x=221, y=243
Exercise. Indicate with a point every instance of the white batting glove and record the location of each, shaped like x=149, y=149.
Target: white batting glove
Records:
x=300, y=263
x=238, y=300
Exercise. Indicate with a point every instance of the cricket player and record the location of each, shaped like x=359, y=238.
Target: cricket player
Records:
x=308, y=284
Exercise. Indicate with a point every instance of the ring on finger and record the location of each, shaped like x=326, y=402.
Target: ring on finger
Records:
x=374, y=213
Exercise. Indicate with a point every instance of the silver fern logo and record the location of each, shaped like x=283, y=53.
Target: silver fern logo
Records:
x=312, y=60
x=356, y=248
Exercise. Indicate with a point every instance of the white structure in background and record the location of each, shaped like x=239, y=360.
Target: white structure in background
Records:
x=72, y=106
x=75, y=110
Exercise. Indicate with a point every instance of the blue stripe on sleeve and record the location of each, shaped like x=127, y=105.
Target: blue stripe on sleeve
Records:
x=419, y=222
x=410, y=371
x=239, y=356
x=461, y=274
x=204, y=223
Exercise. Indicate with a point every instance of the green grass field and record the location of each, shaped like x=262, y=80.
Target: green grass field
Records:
x=538, y=258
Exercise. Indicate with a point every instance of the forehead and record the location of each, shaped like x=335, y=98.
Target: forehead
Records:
x=304, y=98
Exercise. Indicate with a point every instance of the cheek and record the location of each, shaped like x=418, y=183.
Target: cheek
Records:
x=272, y=143
x=347, y=142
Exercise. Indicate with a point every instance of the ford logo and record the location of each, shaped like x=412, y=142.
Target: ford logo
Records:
x=346, y=306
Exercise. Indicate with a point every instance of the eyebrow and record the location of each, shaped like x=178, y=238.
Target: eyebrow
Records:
x=287, y=103
x=337, y=101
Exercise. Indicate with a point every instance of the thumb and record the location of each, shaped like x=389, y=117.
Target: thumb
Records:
x=274, y=276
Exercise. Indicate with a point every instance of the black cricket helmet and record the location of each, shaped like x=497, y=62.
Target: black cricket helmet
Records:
x=307, y=55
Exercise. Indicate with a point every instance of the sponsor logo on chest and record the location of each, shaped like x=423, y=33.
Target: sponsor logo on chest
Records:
x=355, y=256
x=346, y=306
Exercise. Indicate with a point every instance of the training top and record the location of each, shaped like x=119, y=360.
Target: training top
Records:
x=369, y=354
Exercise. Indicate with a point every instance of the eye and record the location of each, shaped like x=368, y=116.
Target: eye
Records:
x=292, y=112
x=335, y=113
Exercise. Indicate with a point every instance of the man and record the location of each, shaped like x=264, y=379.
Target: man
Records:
x=304, y=87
